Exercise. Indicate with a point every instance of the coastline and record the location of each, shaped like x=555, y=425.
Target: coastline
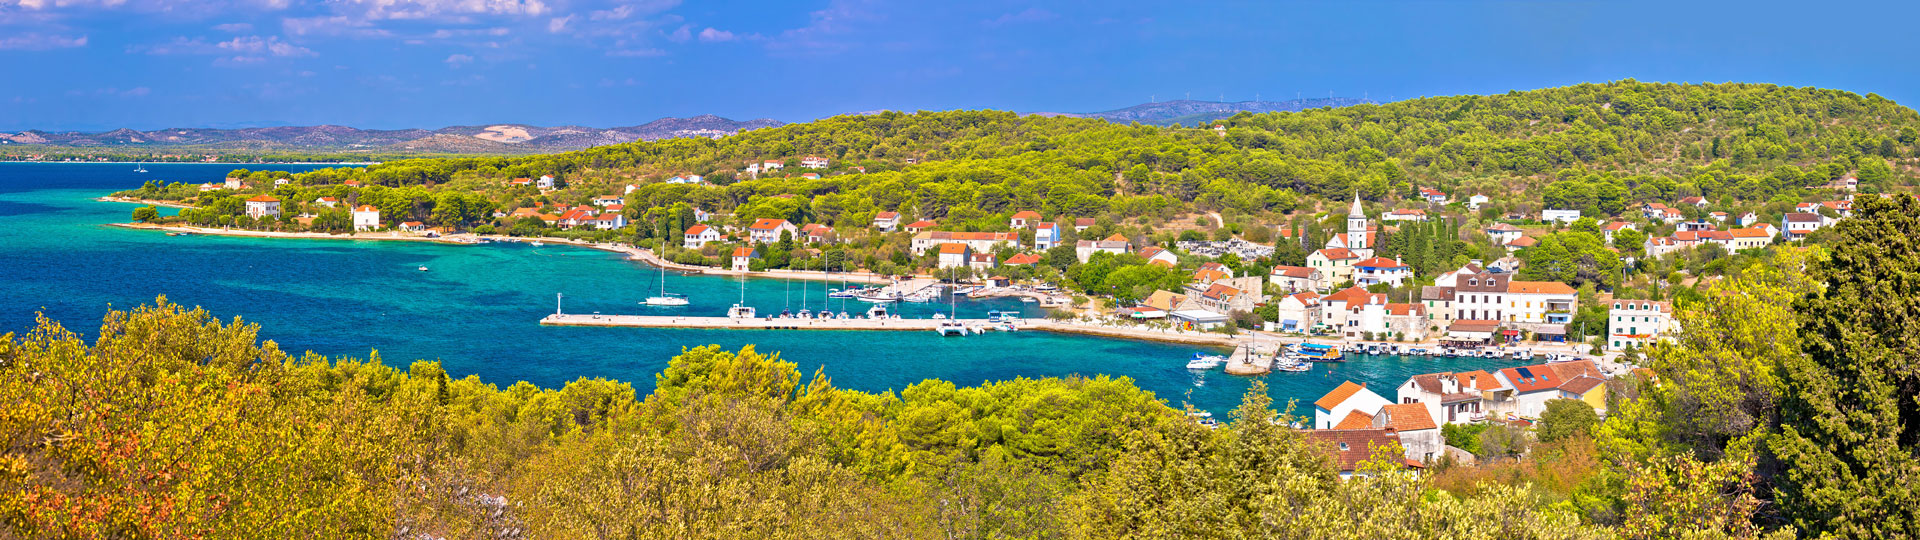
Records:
x=150, y=202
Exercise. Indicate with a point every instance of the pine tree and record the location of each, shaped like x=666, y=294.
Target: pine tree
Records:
x=1850, y=420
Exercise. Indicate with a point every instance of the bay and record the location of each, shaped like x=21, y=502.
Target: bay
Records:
x=477, y=310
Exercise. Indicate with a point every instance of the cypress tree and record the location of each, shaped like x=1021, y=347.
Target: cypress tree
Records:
x=1850, y=419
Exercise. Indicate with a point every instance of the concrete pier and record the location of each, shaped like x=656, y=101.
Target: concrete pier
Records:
x=762, y=323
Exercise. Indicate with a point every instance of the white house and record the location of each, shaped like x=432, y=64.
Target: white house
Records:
x=1298, y=312
x=766, y=230
x=366, y=218
x=1405, y=214
x=328, y=202
x=743, y=259
x=886, y=221
x=1637, y=323
x=546, y=182
x=1474, y=202
x=954, y=255
x=978, y=241
x=1748, y=219
x=983, y=262
x=1563, y=216
x=1046, y=235
x=1298, y=278
x=1115, y=244
x=1433, y=195
x=1451, y=398
x=1528, y=389
x=609, y=200
x=814, y=162
x=1381, y=270
x=1796, y=225
x=261, y=206
x=1614, y=227
x=697, y=236
x=1022, y=219
x=1540, y=302
x=1503, y=234
x=1346, y=400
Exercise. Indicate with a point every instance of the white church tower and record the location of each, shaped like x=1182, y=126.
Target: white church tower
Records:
x=1357, y=227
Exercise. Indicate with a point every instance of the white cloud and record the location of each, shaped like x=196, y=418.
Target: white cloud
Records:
x=637, y=53
x=337, y=25
x=435, y=9
x=711, y=35
x=444, y=33
x=459, y=60
x=1030, y=15
x=819, y=35
x=681, y=35
x=614, y=14
x=40, y=42
x=271, y=46
x=558, y=23
x=234, y=28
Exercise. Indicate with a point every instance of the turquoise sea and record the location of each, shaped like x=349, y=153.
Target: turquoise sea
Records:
x=477, y=310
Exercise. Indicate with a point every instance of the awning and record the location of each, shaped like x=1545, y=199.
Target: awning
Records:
x=1289, y=323
x=1511, y=333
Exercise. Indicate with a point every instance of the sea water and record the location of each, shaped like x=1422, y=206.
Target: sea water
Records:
x=478, y=308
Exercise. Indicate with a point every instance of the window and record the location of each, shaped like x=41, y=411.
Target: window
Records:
x=1343, y=447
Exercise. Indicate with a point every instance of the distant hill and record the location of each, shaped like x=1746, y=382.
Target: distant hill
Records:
x=1191, y=113
x=483, y=139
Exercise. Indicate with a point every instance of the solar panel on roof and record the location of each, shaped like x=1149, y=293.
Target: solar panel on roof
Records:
x=1525, y=373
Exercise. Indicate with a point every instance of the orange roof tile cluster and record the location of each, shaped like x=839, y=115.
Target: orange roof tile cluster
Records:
x=1026, y=214
x=1539, y=287
x=1339, y=395
x=1023, y=258
x=953, y=249
x=1408, y=417
x=1352, y=447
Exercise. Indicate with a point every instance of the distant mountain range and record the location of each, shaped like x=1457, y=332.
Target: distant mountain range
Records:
x=1192, y=113
x=485, y=139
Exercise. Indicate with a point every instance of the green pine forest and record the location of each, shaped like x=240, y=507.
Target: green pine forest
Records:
x=1785, y=407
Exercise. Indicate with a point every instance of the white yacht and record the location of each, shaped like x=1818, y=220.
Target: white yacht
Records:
x=878, y=311
x=666, y=299
x=741, y=310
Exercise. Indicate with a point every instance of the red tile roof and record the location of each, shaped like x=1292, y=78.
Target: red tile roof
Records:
x=1355, y=420
x=767, y=224
x=1352, y=447
x=264, y=198
x=953, y=248
x=1023, y=258
x=922, y=224
x=743, y=252
x=1293, y=271
x=1408, y=417
x=886, y=215
x=697, y=229
x=1339, y=395
x=1026, y=214
x=1337, y=254
x=1380, y=262
x=1539, y=287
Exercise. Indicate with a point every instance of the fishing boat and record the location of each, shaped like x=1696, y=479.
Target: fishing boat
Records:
x=665, y=299
x=741, y=310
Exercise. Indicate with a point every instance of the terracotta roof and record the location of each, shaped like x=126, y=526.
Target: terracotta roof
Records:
x=1355, y=420
x=1116, y=238
x=1616, y=225
x=1083, y=222
x=1582, y=384
x=886, y=215
x=1524, y=241
x=1337, y=254
x=743, y=252
x=1477, y=379
x=1220, y=291
x=953, y=248
x=947, y=235
x=1380, y=262
x=1405, y=417
x=1406, y=309
x=1502, y=227
x=1466, y=325
x=264, y=198
x=1803, y=217
x=1349, y=295
x=1023, y=258
x=1436, y=293
x=1209, y=275
x=1429, y=382
x=1539, y=287
x=1306, y=298
x=366, y=208
x=1151, y=251
x=697, y=229
x=1339, y=395
x=922, y=224
x=1352, y=447
x=766, y=224
x=1026, y=214
x=1045, y=225
x=1293, y=271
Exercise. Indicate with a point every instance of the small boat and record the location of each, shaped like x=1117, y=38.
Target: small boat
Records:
x=1291, y=366
x=139, y=168
x=1200, y=414
x=423, y=269
x=1202, y=361
x=1027, y=299
x=740, y=312
x=939, y=316
x=666, y=299
x=1313, y=352
x=950, y=328
x=878, y=311
x=805, y=313
x=537, y=243
x=1209, y=422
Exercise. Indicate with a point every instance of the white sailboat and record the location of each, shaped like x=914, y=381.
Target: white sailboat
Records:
x=139, y=167
x=666, y=299
x=950, y=325
x=741, y=310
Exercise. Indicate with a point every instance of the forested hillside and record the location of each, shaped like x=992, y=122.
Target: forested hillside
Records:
x=1597, y=147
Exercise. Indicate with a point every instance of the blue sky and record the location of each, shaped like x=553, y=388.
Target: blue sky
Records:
x=149, y=64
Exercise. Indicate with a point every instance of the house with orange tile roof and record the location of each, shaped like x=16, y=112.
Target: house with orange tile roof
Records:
x=1346, y=399
x=1532, y=303
x=262, y=206
x=954, y=255
x=698, y=236
x=1352, y=448
x=743, y=259
x=413, y=226
x=1081, y=224
x=983, y=262
x=1022, y=259
x=766, y=230
x=1156, y=254
x=921, y=225
x=366, y=218
x=886, y=221
x=1115, y=244
x=816, y=233
x=1297, y=279
x=976, y=241
x=1527, y=389
x=1335, y=263
x=1637, y=323
x=1419, y=434
x=1451, y=398
x=1381, y=270
x=1046, y=235
x=1298, y=312
x=1022, y=219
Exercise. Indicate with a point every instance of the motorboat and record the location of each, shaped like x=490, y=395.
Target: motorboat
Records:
x=1291, y=365
x=740, y=312
x=939, y=316
x=537, y=243
x=878, y=311
x=1313, y=352
x=423, y=269
x=1202, y=361
x=805, y=313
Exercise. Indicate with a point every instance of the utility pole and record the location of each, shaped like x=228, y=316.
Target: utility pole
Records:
x=556, y=303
